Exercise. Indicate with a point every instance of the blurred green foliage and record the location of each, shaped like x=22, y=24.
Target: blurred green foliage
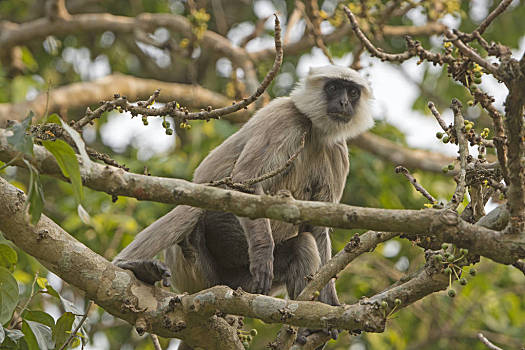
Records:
x=492, y=302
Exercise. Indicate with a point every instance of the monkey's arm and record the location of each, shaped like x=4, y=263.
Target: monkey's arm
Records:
x=170, y=229
x=257, y=157
x=260, y=250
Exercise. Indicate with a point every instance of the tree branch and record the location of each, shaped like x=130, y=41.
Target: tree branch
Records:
x=443, y=225
x=400, y=155
x=82, y=94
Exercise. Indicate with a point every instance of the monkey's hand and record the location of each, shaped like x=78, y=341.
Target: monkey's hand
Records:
x=148, y=271
x=262, y=273
x=304, y=333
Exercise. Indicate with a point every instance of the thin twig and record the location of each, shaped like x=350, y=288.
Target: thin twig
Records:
x=495, y=13
x=155, y=340
x=313, y=25
x=279, y=170
x=487, y=342
x=370, y=47
x=459, y=127
x=473, y=55
x=180, y=113
x=413, y=181
x=437, y=115
x=246, y=186
x=75, y=331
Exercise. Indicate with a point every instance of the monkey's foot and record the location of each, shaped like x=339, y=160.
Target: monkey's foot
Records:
x=148, y=271
x=304, y=333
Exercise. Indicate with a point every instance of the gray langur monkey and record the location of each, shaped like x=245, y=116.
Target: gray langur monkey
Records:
x=206, y=248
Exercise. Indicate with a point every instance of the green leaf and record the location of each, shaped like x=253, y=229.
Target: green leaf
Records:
x=62, y=329
x=69, y=306
x=54, y=118
x=40, y=317
x=68, y=163
x=8, y=295
x=29, y=336
x=8, y=257
x=28, y=59
x=42, y=282
x=21, y=141
x=35, y=195
x=41, y=333
x=50, y=290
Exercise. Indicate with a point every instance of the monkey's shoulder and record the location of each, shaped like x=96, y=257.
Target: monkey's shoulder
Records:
x=279, y=115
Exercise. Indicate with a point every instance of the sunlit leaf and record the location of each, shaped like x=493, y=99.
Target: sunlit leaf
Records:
x=8, y=295
x=54, y=118
x=35, y=195
x=42, y=282
x=62, y=329
x=39, y=316
x=8, y=257
x=68, y=163
x=28, y=59
x=42, y=334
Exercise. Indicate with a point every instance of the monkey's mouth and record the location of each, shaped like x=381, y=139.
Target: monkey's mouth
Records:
x=340, y=118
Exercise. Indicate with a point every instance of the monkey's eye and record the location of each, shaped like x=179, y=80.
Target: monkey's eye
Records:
x=354, y=92
x=331, y=88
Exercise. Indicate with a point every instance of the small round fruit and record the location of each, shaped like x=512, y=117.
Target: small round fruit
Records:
x=451, y=293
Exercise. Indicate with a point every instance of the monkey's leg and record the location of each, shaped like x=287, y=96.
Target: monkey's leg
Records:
x=170, y=229
x=295, y=259
x=193, y=267
x=328, y=294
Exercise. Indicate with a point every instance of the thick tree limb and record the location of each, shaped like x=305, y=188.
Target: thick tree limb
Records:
x=441, y=225
x=112, y=288
x=400, y=155
x=192, y=317
x=515, y=133
x=12, y=34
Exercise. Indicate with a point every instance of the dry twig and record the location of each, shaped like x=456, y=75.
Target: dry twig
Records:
x=487, y=342
x=417, y=185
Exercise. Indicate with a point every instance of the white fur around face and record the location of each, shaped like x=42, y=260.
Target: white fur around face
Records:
x=309, y=98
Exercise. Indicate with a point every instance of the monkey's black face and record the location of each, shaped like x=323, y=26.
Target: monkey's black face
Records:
x=342, y=97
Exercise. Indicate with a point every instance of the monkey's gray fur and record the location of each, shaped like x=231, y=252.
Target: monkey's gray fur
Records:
x=205, y=248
